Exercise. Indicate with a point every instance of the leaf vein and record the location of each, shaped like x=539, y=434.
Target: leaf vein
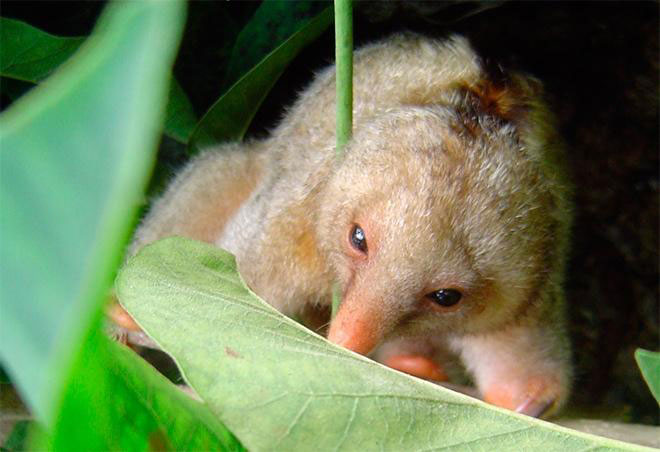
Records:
x=349, y=422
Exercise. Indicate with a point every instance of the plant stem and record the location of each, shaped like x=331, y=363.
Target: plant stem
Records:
x=344, y=101
x=344, y=63
x=344, y=77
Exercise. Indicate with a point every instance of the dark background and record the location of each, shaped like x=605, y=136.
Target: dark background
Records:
x=599, y=64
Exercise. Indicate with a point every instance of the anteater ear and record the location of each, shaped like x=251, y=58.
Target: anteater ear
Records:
x=506, y=95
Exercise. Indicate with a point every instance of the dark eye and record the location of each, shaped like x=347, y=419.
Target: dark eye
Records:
x=358, y=239
x=445, y=297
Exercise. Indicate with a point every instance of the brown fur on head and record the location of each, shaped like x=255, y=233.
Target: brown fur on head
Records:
x=506, y=95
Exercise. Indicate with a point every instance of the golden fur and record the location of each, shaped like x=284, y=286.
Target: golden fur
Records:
x=455, y=178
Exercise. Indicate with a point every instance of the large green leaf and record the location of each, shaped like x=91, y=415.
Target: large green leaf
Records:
x=278, y=386
x=76, y=152
x=145, y=410
x=229, y=117
x=160, y=413
x=30, y=55
x=273, y=23
x=649, y=364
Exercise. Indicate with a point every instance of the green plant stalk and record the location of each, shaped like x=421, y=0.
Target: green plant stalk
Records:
x=344, y=68
x=344, y=63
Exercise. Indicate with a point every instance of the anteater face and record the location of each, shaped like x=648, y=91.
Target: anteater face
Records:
x=432, y=225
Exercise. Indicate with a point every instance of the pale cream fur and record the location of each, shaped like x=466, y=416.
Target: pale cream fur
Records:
x=451, y=192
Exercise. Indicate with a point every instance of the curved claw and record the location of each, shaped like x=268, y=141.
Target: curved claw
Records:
x=535, y=408
x=535, y=396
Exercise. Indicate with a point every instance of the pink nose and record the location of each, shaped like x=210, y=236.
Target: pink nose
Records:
x=356, y=327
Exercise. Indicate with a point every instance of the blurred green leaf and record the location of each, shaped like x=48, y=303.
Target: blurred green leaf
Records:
x=278, y=386
x=17, y=439
x=76, y=152
x=230, y=116
x=271, y=24
x=649, y=364
x=14, y=419
x=145, y=411
x=30, y=55
x=4, y=378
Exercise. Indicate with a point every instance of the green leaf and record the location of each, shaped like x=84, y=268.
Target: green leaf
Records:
x=649, y=364
x=30, y=55
x=229, y=117
x=146, y=411
x=278, y=386
x=180, y=118
x=76, y=152
x=271, y=24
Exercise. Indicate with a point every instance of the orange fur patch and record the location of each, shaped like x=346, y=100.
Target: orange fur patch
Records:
x=296, y=230
x=497, y=100
x=306, y=246
x=508, y=99
x=209, y=220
